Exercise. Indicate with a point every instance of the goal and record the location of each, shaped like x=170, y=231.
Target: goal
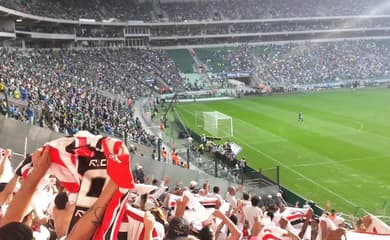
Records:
x=218, y=124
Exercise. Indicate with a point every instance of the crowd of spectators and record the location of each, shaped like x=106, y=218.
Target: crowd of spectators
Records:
x=307, y=63
x=305, y=26
x=228, y=60
x=197, y=10
x=97, y=9
x=99, y=33
x=224, y=164
x=42, y=207
x=187, y=11
x=260, y=9
x=90, y=89
x=266, y=27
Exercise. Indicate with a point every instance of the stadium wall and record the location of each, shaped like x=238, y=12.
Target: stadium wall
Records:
x=23, y=138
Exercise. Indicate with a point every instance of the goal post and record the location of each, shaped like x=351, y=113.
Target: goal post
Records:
x=218, y=124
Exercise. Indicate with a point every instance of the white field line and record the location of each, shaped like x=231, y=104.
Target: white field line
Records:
x=339, y=161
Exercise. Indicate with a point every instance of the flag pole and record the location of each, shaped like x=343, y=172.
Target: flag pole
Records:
x=25, y=146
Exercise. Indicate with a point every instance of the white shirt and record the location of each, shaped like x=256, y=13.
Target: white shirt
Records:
x=338, y=220
x=160, y=229
x=220, y=198
x=329, y=225
x=43, y=234
x=231, y=199
x=251, y=212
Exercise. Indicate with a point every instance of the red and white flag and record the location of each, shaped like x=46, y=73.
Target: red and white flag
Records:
x=83, y=164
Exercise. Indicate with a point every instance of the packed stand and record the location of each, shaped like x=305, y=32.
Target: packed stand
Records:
x=260, y=9
x=73, y=9
x=187, y=11
x=44, y=206
x=304, y=26
x=268, y=27
x=305, y=63
x=198, y=10
x=227, y=60
x=166, y=69
x=70, y=90
x=310, y=63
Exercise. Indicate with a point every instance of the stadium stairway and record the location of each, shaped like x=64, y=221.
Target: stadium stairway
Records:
x=154, y=130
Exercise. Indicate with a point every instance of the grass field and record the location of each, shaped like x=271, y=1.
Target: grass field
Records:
x=341, y=152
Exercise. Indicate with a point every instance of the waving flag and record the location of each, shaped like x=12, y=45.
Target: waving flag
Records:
x=83, y=164
x=272, y=233
x=132, y=227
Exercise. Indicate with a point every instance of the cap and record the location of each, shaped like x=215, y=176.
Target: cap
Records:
x=139, y=167
x=193, y=184
x=178, y=227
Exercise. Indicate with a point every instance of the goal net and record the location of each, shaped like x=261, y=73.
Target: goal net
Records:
x=218, y=124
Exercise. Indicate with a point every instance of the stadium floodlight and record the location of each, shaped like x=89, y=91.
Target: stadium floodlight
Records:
x=218, y=124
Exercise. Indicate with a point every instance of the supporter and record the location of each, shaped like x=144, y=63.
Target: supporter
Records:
x=40, y=232
x=216, y=194
x=154, y=154
x=359, y=226
x=194, y=187
x=149, y=224
x=62, y=214
x=314, y=228
x=246, y=200
x=231, y=196
x=139, y=174
x=328, y=230
x=253, y=211
x=279, y=199
x=16, y=231
x=206, y=233
x=161, y=221
x=269, y=202
x=337, y=220
x=178, y=227
x=164, y=155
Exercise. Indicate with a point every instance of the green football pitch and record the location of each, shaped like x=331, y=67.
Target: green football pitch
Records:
x=340, y=153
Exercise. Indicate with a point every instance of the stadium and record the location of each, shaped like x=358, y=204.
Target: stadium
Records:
x=194, y=119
